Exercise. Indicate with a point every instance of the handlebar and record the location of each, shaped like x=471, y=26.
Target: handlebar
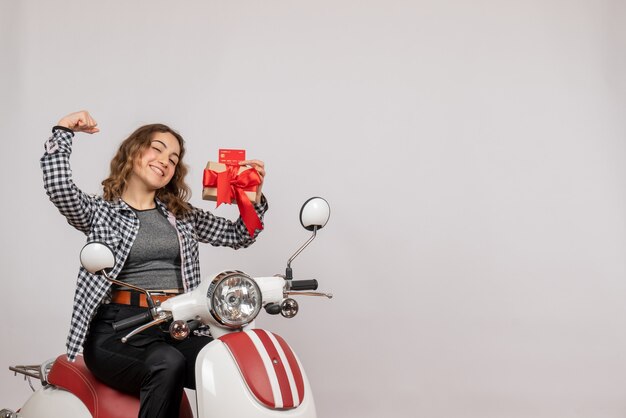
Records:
x=303, y=285
x=132, y=321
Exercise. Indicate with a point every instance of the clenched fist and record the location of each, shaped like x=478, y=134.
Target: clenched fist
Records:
x=80, y=122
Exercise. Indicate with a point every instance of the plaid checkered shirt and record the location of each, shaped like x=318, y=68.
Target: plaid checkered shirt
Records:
x=115, y=223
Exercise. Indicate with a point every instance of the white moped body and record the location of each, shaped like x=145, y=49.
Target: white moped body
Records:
x=221, y=391
x=243, y=373
x=51, y=401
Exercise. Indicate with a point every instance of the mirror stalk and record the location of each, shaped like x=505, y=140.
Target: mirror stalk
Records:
x=288, y=271
x=151, y=305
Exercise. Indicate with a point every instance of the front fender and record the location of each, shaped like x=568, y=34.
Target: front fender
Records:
x=252, y=374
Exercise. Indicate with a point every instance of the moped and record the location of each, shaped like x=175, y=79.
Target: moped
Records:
x=245, y=372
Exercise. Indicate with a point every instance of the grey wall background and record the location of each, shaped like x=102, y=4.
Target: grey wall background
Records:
x=472, y=152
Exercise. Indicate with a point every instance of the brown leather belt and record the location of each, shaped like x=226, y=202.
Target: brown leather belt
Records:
x=129, y=297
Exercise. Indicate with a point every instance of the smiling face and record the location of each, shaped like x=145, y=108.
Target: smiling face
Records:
x=156, y=165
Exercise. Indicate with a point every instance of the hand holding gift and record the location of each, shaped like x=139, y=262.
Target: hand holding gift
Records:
x=236, y=180
x=259, y=166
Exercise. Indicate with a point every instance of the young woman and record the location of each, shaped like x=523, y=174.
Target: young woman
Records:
x=145, y=217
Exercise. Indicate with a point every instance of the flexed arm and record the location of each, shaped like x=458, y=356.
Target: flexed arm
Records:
x=74, y=204
x=80, y=122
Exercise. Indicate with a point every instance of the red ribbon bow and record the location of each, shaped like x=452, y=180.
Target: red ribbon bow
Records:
x=230, y=184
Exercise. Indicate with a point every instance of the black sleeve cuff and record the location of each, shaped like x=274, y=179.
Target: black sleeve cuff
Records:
x=63, y=128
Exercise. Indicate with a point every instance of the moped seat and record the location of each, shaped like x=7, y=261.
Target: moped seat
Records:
x=101, y=400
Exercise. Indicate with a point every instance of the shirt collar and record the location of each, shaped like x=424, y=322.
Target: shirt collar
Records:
x=120, y=205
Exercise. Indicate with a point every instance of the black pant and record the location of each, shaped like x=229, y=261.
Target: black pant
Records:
x=151, y=365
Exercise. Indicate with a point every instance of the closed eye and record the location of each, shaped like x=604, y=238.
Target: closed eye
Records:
x=156, y=146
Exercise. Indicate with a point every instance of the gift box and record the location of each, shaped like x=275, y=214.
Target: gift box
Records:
x=229, y=182
x=236, y=177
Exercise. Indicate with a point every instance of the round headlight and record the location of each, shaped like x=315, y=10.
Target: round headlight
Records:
x=234, y=299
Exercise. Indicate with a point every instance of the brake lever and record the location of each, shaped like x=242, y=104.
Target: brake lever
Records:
x=162, y=317
x=301, y=293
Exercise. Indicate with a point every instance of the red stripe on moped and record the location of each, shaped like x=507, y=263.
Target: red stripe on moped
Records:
x=279, y=368
x=259, y=374
x=293, y=365
x=251, y=366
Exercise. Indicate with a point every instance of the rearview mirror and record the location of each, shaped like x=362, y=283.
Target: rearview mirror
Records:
x=96, y=257
x=315, y=213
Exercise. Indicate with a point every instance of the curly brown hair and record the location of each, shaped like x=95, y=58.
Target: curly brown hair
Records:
x=174, y=195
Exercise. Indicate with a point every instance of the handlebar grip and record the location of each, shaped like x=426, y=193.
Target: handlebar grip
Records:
x=132, y=321
x=303, y=285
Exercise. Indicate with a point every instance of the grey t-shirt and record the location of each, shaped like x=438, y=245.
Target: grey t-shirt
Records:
x=154, y=259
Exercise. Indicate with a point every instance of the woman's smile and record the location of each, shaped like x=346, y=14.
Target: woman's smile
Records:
x=157, y=164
